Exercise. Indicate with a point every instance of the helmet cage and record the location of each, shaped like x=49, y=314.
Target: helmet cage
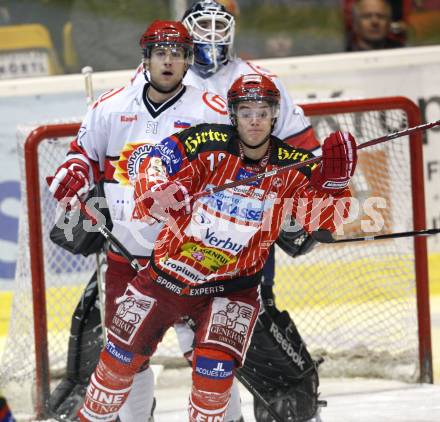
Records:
x=212, y=29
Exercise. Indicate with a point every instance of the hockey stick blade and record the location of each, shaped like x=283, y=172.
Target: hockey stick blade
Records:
x=313, y=160
x=324, y=236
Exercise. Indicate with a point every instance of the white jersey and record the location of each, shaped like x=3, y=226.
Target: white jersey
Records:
x=118, y=132
x=291, y=126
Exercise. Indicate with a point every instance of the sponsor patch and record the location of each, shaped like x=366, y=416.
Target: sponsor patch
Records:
x=133, y=308
x=123, y=356
x=128, y=119
x=293, y=155
x=183, y=270
x=229, y=324
x=169, y=154
x=217, y=234
x=216, y=103
x=193, y=141
x=210, y=258
x=214, y=368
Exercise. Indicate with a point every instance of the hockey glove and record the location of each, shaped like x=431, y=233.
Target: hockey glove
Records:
x=163, y=200
x=70, y=183
x=339, y=158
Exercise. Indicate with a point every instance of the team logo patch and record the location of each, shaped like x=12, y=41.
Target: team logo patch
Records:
x=213, y=368
x=130, y=159
x=230, y=323
x=216, y=103
x=133, y=308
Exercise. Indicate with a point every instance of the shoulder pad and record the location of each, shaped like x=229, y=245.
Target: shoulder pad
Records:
x=205, y=137
x=286, y=154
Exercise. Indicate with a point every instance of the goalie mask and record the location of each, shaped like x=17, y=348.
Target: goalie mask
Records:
x=253, y=87
x=212, y=28
x=167, y=33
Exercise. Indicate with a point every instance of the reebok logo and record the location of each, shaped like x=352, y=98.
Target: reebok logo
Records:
x=287, y=347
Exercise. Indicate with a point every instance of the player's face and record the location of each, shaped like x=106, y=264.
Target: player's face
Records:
x=373, y=20
x=210, y=30
x=167, y=66
x=254, y=121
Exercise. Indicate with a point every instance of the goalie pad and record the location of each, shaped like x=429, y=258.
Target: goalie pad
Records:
x=281, y=370
x=85, y=344
x=295, y=243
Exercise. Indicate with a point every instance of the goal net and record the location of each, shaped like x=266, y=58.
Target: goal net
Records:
x=362, y=306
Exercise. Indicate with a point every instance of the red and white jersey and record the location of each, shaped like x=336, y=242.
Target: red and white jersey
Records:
x=292, y=125
x=116, y=135
x=227, y=237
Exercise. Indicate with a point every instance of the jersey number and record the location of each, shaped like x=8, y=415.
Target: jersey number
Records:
x=213, y=162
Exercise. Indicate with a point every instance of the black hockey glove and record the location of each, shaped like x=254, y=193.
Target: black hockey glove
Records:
x=295, y=243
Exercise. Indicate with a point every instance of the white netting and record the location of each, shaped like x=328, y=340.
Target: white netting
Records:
x=354, y=304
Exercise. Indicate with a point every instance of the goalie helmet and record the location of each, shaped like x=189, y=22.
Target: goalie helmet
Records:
x=168, y=33
x=253, y=87
x=212, y=28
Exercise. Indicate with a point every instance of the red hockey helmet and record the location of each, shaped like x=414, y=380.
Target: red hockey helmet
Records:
x=172, y=33
x=253, y=87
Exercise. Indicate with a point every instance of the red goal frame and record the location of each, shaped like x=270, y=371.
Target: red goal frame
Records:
x=70, y=130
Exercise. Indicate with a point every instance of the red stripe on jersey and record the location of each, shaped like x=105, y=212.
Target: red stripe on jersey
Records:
x=260, y=71
x=75, y=148
x=106, y=96
x=109, y=168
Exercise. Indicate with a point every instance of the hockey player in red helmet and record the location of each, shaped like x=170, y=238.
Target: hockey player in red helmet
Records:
x=208, y=263
x=119, y=130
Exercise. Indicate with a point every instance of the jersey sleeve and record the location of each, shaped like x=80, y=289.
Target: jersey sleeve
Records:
x=315, y=210
x=91, y=141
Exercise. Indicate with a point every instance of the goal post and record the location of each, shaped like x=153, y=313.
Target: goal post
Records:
x=413, y=115
x=363, y=307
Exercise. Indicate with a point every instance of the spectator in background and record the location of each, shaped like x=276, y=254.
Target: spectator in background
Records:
x=371, y=25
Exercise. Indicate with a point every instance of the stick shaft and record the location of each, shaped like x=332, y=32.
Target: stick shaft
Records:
x=324, y=236
x=87, y=71
x=102, y=228
x=428, y=232
x=313, y=160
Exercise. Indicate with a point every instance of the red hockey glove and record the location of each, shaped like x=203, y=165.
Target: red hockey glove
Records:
x=164, y=199
x=71, y=181
x=339, y=158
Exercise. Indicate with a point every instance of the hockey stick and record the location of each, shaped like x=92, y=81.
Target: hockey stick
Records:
x=324, y=236
x=87, y=71
x=313, y=160
x=258, y=396
x=103, y=229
